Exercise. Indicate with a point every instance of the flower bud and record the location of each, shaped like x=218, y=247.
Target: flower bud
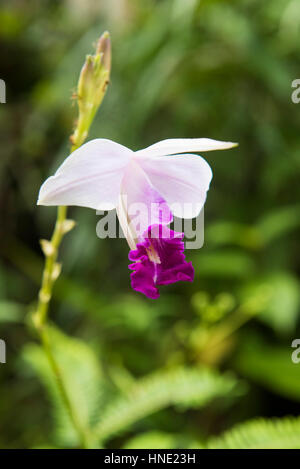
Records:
x=92, y=84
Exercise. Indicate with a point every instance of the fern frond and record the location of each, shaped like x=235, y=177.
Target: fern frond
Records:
x=261, y=434
x=183, y=387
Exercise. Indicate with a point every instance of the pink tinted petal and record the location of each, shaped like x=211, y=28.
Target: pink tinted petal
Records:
x=141, y=205
x=182, y=180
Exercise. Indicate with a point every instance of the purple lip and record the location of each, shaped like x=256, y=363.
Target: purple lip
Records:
x=159, y=260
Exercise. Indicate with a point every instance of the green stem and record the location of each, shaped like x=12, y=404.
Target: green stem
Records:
x=41, y=315
x=81, y=431
x=48, y=279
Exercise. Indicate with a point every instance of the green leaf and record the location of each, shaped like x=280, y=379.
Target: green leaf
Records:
x=228, y=232
x=11, y=311
x=271, y=367
x=282, y=292
x=261, y=434
x=183, y=387
x=81, y=376
x=229, y=263
x=279, y=223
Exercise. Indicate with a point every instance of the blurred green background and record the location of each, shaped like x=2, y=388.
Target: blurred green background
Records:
x=179, y=371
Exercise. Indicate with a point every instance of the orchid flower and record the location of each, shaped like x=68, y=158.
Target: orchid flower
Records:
x=162, y=179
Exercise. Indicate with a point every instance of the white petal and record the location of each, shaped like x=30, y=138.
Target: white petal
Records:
x=182, y=180
x=183, y=145
x=90, y=177
x=141, y=205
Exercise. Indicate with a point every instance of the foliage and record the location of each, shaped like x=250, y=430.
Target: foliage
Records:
x=104, y=410
x=184, y=388
x=261, y=434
